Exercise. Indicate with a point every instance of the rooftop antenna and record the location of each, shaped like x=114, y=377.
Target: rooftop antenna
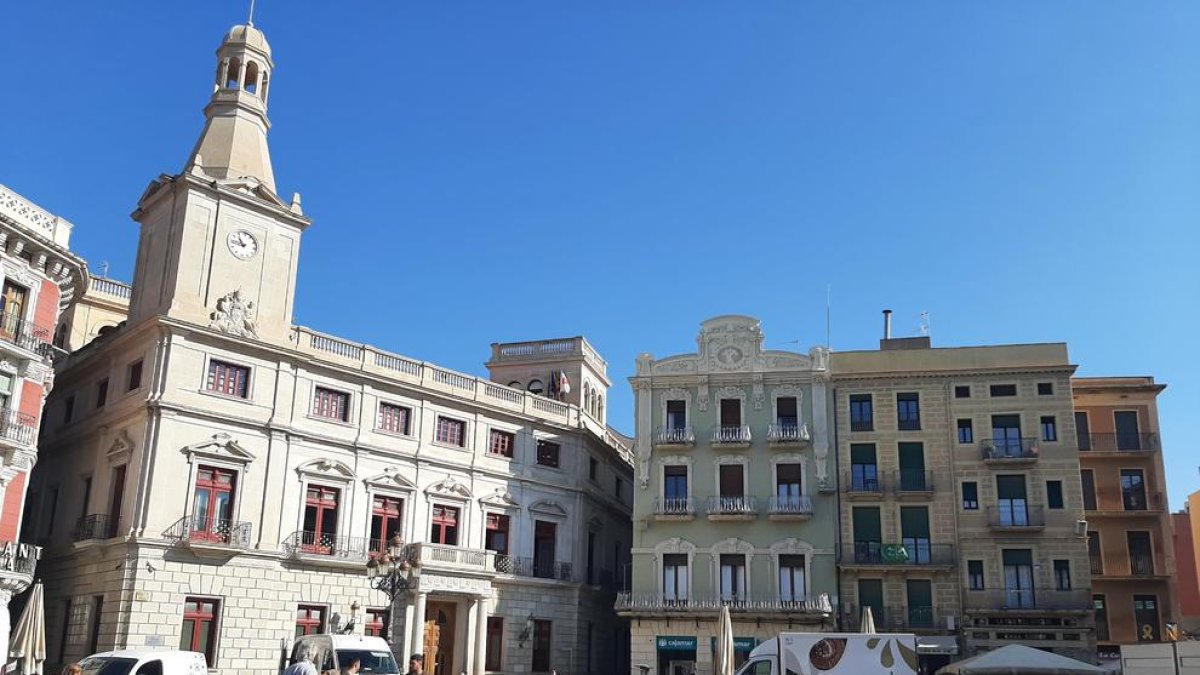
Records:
x=925, y=323
x=250, y=19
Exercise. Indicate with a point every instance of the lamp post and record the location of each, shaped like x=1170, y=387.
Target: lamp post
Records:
x=391, y=572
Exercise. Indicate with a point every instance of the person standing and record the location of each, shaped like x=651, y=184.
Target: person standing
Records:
x=416, y=665
x=303, y=665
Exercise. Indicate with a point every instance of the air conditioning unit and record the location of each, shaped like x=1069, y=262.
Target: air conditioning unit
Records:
x=950, y=622
x=1081, y=528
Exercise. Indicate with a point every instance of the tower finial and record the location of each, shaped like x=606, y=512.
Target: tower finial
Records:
x=250, y=19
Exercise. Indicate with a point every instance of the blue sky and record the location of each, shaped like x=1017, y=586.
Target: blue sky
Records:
x=483, y=171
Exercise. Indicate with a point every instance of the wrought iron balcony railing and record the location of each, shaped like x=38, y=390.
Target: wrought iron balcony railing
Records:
x=1024, y=599
x=675, y=436
x=96, y=526
x=674, y=506
x=916, y=553
x=534, y=567
x=863, y=482
x=326, y=546
x=782, y=433
x=1120, y=442
x=862, y=425
x=797, y=505
x=1015, y=516
x=24, y=334
x=16, y=426
x=202, y=529
x=732, y=506
x=1141, y=565
x=912, y=480
x=1000, y=449
x=731, y=435
x=896, y=619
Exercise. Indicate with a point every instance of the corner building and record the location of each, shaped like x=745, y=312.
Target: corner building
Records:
x=961, y=511
x=734, y=503
x=221, y=477
x=39, y=276
x=1130, y=543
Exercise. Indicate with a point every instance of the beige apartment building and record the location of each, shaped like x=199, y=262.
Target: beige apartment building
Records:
x=219, y=479
x=1130, y=540
x=961, y=509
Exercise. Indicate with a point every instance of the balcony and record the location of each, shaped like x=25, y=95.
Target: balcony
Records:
x=327, y=549
x=1016, y=518
x=858, y=486
x=913, y=484
x=1140, y=567
x=1028, y=600
x=1009, y=451
x=790, y=508
x=674, y=437
x=732, y=508
x=1118, y=445
x=18, y=562
x=731, y=436
x=788, y=434
x=897, y=619
x=96, y=527
x=799, y=609
x=17, y=427
x=450, y=558
x=24, y=334
x=674, y=508
x=534, y=568
x=920, y=554
x=201, y=532
x=1115, y=503
x=862, y=425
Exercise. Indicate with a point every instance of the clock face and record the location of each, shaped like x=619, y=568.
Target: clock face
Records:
x=729, y=356
x=242, y=244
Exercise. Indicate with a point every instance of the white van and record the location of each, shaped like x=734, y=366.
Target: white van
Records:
x=834, y=654
x=145, y=662
x=332, y=653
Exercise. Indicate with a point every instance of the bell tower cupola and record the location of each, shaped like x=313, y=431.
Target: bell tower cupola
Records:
x=234, y=142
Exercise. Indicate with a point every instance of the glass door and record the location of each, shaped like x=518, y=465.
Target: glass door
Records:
x=1018, y=578
x=1012, y=507
x=213, y=504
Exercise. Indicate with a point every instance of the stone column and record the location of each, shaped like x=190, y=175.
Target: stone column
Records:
x=406, y=649
x=418, y=626
x=481, y=617
x=5, y=620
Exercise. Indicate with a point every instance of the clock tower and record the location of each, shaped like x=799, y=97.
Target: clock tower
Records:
x=218, y=246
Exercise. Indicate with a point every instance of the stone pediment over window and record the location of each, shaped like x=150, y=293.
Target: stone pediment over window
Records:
x=220, y=447
x=733, y=545
x=327, y=469
x=675, y=545
x=121, y=447
x=501, y=498
x=548, y=507
x=449, y=487
x=390, y=479
x=791, y=546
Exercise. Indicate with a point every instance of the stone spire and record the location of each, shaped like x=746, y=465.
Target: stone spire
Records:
x=234, y=142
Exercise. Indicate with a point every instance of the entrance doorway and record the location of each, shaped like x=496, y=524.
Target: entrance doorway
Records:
x=440, y=622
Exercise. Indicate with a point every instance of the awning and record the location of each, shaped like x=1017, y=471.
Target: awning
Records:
x=937, y=644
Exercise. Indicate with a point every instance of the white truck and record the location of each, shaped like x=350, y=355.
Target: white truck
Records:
x=834, y=654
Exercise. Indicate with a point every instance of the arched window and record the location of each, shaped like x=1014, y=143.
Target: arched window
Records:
x=516, y=384
x=251, y=83
x=599, y=407
x=536, y=387
x=587, y=397
x=232, y=73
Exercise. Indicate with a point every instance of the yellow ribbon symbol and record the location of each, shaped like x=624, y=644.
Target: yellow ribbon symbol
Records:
x=1147, y=632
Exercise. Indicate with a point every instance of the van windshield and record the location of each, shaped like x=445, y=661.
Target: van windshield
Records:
x=371, y=661
x=107, y=665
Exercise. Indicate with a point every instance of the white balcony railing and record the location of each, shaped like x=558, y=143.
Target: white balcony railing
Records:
x=788, y=433
x=732, y=506
x=731, y=435
x=674, y=506
x=800, y=505
x=441, y=555
x=674, y=436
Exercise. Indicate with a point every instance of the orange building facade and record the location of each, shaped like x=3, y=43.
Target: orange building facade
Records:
x=1130, y=543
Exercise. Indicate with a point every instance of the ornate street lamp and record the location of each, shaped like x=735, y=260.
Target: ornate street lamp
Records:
x=391, y=572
